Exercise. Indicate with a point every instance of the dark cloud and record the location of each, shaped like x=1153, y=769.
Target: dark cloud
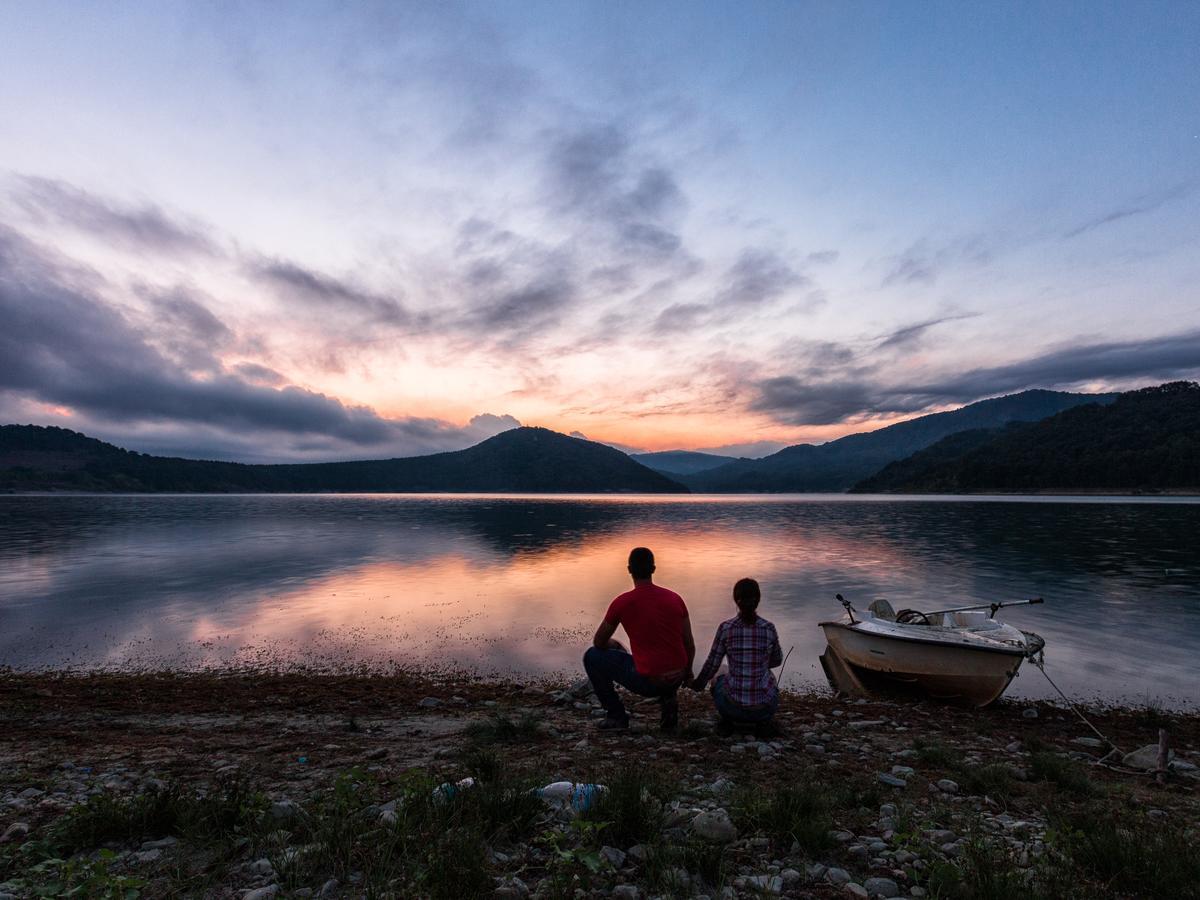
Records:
x=328, y=294
x=756, y=277
x=594, y=177
x=62, y=344
x=924, y=262
x=680, y=317
x=1161, y=358
x=1136, y=207
x=523, y=310
x=797, y=401
x=910, y=335
x=143, y=227
x=857, y=392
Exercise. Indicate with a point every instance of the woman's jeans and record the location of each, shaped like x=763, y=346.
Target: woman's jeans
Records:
x=729, y=709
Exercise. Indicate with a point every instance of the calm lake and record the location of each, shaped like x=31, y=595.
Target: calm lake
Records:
x=517, y=584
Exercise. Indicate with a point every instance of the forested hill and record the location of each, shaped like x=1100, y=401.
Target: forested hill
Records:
x=533, y=460
x=1147, y=440
x=680, y=462
x=838, y=465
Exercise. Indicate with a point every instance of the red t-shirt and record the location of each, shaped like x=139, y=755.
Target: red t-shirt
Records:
x=653, y=618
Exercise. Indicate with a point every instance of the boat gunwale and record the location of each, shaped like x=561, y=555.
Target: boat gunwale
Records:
x=1007, y=651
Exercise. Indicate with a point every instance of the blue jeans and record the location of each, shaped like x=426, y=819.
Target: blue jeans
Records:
x=729, y=709
x=608, y=667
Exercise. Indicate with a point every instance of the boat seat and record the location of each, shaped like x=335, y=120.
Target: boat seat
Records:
x=881, y=609
x=976, y=621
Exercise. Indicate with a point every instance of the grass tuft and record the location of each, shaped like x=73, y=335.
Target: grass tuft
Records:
x=800, y=814
x=1064, y=773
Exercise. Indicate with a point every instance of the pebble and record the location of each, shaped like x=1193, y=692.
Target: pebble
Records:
x=881, y=887
x=866, y=723
x=856, y=890
x=903, y=771
x=791, y=877
x=626, y=892
x=947, y=786
x=160, y=844
x=329, y=888
x=891, y=780
x=148, y=856
x=429, y=702
x=262, y=893
x=260, y=867
x=31, y=793
x=284, y=810
x=1029, y=713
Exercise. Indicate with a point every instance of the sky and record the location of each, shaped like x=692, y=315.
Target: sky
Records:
x=261, y=232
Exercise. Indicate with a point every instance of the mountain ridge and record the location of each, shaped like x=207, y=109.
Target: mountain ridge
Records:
x=1145, y=440
x=525, y=460
x=840, y=464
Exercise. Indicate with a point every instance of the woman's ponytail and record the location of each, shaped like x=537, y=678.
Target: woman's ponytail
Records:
x=746, y=595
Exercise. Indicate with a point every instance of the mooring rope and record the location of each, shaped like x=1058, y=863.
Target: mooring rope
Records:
x=1039, y=660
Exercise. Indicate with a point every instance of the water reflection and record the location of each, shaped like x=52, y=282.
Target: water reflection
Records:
x=516, y=585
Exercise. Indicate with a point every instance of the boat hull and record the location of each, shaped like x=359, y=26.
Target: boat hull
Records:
x=858, y=662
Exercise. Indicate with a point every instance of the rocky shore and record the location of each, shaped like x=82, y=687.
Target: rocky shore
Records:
x=257, y=785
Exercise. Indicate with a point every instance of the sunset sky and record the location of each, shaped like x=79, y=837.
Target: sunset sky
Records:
x=347, y=230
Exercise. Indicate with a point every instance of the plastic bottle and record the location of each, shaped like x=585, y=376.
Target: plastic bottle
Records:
x=571, y=795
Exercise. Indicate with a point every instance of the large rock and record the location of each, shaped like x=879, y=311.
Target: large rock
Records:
x=882, y=887
x=837, y=876
x=283, y=812
x=715, y=826
x=1145, y=758
x=14, y=832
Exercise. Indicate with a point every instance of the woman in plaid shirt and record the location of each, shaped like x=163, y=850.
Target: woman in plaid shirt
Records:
x=748, y=693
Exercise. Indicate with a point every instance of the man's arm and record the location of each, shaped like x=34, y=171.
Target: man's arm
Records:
x=776, y=650
x=714, y=660
x=603, y=637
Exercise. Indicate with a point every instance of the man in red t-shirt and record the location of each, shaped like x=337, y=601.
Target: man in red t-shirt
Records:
x=660, y=635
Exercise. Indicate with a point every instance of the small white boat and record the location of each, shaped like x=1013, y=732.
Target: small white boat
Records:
x=962, y=654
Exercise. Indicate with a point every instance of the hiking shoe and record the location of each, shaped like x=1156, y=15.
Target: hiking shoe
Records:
x=611, y=724
x=724, y=727
x=670, y=713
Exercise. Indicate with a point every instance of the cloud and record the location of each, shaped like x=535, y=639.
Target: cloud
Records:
x=1136, y=207
x=857, y=393
x=144, y=227
x=63, y=344
x=327, y=294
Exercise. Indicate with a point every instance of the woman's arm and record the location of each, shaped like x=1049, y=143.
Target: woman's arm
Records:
x=776, y=650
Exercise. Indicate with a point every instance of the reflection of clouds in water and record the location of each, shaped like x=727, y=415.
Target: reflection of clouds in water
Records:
x=517, y=585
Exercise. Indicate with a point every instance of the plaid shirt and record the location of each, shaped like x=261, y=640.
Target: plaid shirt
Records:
x=752, y=650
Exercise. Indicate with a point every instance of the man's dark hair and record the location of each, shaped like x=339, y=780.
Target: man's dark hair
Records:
x=746, y=595
x=641, y=562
